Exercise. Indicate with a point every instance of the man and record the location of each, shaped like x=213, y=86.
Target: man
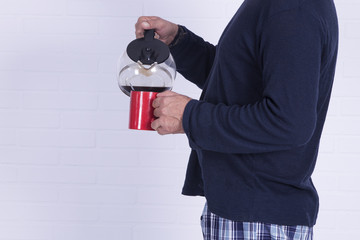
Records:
x=255, y=131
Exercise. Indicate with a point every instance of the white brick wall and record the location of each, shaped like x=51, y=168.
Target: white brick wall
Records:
x=69, y=167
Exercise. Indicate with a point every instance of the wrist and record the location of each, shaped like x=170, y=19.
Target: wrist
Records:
x=178, y=36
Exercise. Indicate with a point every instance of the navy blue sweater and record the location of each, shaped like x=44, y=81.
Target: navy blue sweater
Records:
x=255, y=131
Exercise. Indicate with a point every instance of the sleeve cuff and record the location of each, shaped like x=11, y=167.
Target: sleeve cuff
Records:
x=179, y=36
x=186, y=121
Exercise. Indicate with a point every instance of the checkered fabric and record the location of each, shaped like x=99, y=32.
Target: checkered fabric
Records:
x=217, y=228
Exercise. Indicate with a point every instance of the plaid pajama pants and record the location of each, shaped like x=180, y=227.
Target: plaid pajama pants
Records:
x=217, y=228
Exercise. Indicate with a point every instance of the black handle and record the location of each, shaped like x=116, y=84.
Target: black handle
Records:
x=149, y=34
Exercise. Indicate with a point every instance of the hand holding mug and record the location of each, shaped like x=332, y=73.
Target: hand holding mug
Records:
x=169, y=109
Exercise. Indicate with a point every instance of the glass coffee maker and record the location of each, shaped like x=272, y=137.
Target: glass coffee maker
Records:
x=144, y=70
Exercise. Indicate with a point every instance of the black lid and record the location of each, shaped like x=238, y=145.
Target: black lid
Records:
x=148, y=50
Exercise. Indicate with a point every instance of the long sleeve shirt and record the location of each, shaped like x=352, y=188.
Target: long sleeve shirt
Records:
x=255, y=131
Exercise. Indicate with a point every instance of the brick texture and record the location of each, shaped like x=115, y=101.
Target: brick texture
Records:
x=69, y=167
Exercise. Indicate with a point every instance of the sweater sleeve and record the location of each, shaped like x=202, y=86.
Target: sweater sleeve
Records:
x=286, y=115
x=194, y=57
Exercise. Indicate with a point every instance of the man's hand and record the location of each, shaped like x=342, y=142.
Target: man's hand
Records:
x=169, y=109
x=164, y=30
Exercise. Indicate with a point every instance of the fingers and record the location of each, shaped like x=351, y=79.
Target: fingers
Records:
x=144, y=23
x=160, y=97
x=167, y=125
x=164, y=30
x=170, y=103
x=156, y=102
x=158, y=109
x=155, y=124
x=157, y=112
x=169, y=108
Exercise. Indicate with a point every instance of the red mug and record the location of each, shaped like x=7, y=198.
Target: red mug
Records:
x=141, y=110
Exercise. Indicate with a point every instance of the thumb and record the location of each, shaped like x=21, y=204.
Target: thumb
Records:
x=146, y=25
x=152, y=23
